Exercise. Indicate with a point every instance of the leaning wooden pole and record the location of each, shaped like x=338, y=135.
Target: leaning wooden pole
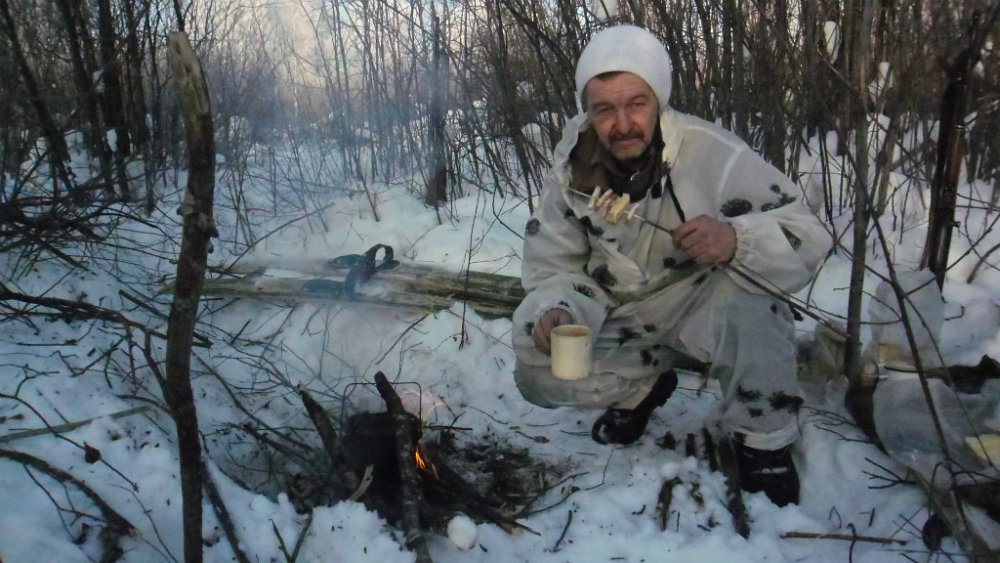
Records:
x=198, y=229
x=409, y=479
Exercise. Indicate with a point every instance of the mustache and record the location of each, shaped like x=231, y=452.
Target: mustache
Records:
x=626, y=136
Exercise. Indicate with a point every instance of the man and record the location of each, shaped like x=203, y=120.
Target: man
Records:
x=653, y=298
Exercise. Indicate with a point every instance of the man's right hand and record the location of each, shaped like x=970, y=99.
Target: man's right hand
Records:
x=543, y=327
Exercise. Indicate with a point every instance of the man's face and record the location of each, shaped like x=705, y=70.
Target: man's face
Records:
x=623, y=110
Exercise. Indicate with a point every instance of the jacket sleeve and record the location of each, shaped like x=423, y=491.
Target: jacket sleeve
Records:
x=556, y=252
x=778, y=240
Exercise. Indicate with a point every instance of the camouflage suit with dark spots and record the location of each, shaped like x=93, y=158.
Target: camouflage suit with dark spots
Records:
x=647, y=303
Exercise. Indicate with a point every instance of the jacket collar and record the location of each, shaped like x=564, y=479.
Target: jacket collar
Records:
x=671, y=131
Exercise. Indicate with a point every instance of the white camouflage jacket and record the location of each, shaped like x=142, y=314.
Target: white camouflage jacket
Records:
x=575, y=260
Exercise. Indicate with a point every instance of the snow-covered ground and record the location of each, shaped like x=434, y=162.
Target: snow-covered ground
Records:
x=452, y=367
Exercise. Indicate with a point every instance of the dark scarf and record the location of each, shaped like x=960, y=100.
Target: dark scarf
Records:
x=637, y=180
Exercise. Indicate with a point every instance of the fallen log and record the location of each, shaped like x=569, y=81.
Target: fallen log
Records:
x=417, y=287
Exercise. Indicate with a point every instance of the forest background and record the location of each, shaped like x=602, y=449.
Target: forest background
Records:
x=314, y=98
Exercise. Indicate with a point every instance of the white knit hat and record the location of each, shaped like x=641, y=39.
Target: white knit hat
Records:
x=625, y=48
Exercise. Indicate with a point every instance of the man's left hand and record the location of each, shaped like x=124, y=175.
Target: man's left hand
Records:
x=706, y=240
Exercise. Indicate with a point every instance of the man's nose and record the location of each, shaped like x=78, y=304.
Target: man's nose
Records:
x=622, y=121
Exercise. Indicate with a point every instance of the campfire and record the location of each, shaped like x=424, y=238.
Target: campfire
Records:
x=371, y=445
x=415, y=481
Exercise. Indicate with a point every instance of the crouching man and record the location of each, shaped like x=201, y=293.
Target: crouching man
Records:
x=652, y=297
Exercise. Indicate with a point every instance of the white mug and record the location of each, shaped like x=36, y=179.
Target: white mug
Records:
x=570, y=351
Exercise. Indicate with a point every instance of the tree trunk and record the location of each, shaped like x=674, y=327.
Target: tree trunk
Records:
x=858, y=25
x=59, y=155
x=950, y=151
x=85, y=88
x=111, y=78
x=198, y=229
x=437, y=177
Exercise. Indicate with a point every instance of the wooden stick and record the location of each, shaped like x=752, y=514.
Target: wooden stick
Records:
x=409, y=479
x=343, y=478
x=663, y=501
x=842, y=537
x=60, y=428
x=222, y=513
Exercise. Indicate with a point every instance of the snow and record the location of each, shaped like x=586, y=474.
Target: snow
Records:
x=451, y=367
x=462, y=531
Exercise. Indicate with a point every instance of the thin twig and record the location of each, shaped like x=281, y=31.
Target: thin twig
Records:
x=60, y=428
x=841, y=537
x=569, y=520
x=212, y=492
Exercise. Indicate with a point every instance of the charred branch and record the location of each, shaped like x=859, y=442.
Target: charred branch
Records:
x=411, y=493
x=344, y=480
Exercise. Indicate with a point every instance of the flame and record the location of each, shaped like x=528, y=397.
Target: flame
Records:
x=424, y=465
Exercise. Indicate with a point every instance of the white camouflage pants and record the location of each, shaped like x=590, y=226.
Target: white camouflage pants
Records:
x=748, y=340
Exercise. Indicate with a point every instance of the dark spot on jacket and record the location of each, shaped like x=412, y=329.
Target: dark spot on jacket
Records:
x=783, y=200
x=793, y=240
x=783, y=401
x=585, y=290
x=591, y=228
x=796, y=314
x=755, y=413
x=569, y=213
x=670, y=262
x=774, y=308
x=603, y=276
x=529, y=327
x=626, y=334
x=736, y=207
x=700, y=279
x=647, y=357
x=776, y=188
x=564, y=304
x=747, y=395
x=649, y=328
x=532, y=227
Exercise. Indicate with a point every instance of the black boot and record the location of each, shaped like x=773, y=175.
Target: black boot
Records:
x=770, y=471
x=624, y=426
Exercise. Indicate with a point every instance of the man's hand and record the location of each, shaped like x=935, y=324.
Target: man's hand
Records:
x=543, y=327
x=706, y=240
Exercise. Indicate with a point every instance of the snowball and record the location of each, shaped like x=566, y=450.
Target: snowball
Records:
x=462, y=531
x=670, y=469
